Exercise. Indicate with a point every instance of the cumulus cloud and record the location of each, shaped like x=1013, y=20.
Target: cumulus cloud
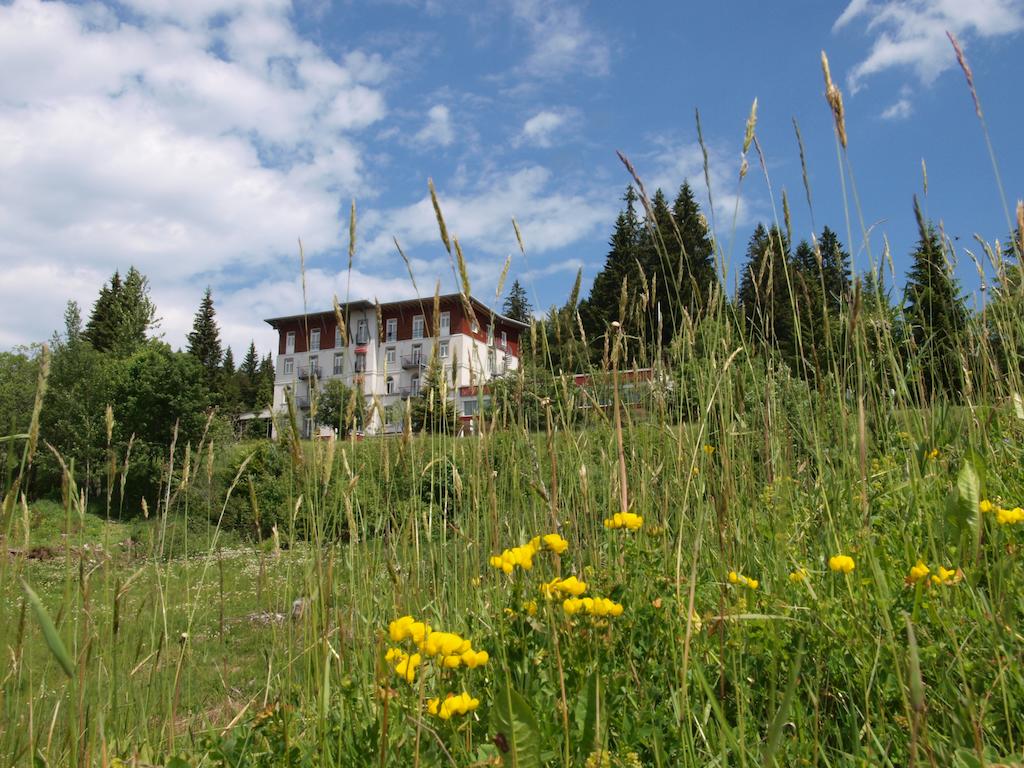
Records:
x=539, y=130
x=439, y=129
x=900, y=110
x=912, y=33
x=192, y=138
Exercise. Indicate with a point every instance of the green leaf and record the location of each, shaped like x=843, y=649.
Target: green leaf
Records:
x=963, y=519
x=516, y=729
x=49, y=631
x=592, y=725
x=1018, y=405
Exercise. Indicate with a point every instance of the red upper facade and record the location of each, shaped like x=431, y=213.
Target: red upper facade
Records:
x=403, y=312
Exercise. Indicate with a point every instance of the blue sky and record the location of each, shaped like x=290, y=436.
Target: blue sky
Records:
x=200, y=139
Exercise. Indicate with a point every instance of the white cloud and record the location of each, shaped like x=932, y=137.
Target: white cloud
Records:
x=538, y=130
x=912, y=33
x=900, y=110
x=439, y=129
x=560, y=40
x=196, y=139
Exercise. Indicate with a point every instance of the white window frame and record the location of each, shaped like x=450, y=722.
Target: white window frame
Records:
x=417, y=353
x=337, y=336
x=314, y=340
x=391, y=333
x=504, y=339
x=490, y=334
x=389, y=385
x=391, y=355
x=289, y=366
x=418, y=327
x=414, y=386
x=362, y=331
x=446, y=324
x=442, y=350
x=289, y=343
x=339, y=363
x=360, y=368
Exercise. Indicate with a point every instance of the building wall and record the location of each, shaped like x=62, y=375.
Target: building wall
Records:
x=471, y=362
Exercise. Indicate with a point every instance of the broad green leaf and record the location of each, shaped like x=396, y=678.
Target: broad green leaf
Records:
x=50, y=634
x=516, y=729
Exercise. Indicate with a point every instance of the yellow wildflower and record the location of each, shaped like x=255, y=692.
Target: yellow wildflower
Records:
x=946, y=576
x=985, y=506
x=841, y=563
x=453, y=705
x=406, y=667
x=595, y=606
x=530, y=606
x=1009, y=516
x=798, y=575
x=918, y=572
x=626, y=520
x=740, y=579
x=709, y=449
x=932, y=454
x=407, y=626
x=555, y=543
x=570, y=586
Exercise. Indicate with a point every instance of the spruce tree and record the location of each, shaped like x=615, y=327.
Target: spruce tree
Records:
x=660, y=255
x=764, y=292
x=204, y=339
x=697, y=268
x=835, y=270
x=136, y=313
x=102, y=327
x=602, y=304
x=263, y=395
x=247, y=376
x=936, y=315
x=72, y=322
x=517, y=305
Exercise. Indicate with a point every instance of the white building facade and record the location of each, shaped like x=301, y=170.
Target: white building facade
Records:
x=386, y=355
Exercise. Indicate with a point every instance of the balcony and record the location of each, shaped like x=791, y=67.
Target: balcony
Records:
x=406, y=392
x=413, y=362
x=309, y=371
x=302, y=402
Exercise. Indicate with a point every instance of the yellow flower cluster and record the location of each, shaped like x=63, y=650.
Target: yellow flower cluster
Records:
x=559, y=587
x=452, y=705
x=626, y=520
x=1003, y=516
x=798, y=575
x=404, y=664
x=523, y=555
x=451, y=650
x=739, y=578
x=946, y=576
x=595, y=606
x=841, y=563
x=918, y=572
x=709, y=449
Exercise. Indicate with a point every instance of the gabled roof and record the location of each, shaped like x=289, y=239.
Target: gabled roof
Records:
x=423, y=302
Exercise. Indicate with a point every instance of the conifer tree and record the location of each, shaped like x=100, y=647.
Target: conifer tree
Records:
x=602, y=305
x=102, y=327
x=517, y=305
x=835, y=270
x=659, y=255
x=136, y=313
x=935, y=313
x=697, y=273
x=72, y=322
x=764, y=293
x=263, y=395
x=247, y=375
x=204, y=339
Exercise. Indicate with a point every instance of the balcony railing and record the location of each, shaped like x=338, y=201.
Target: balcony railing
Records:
x=309, y=371
x=413, y=362
x=407, y=392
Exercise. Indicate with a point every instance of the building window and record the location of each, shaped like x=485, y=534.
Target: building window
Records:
x=362, y=334
x=360, y=362
x=492, y=362
x=289, y=343
x=442, y=350
x=417, y=352
x=446, y=323
x=339, y=363
x=389, y=356
x=389, y=385
x=490, y=334
x=470, y=407
x=417, y=327
x=391, y=329
x=314, y=340
x=415, y=388
x=289, y=366
x=504, y=339
x=337, y=336
x=474, y=325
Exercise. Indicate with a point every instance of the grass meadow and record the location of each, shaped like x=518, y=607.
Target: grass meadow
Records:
x=807, y=574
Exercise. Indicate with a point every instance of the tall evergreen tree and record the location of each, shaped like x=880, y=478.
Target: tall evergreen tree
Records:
x=602, y=304
x=697, y=273
x=659, y=255
x=247, y=375
x=102, y=327
x=229, y=362
x=264, y=389
x=835, y=270
x=764, y=292
x=136, y=313
x=72, y=322
x=204, y=339
x=935, y=313
x=517, y=305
